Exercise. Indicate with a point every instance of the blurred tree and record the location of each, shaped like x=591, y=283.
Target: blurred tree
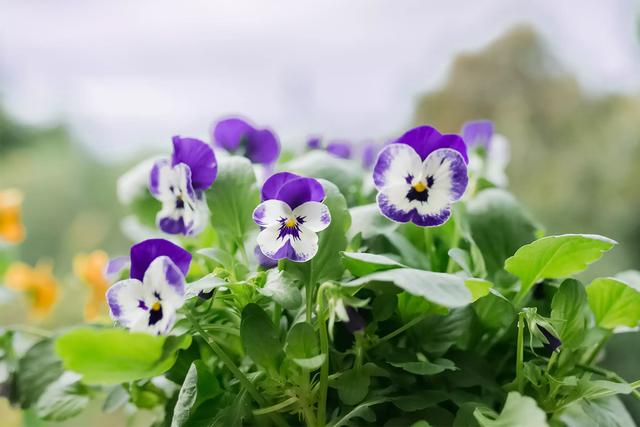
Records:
x=574, y=154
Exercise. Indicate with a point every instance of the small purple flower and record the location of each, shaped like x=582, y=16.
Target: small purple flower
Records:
x=356, y=321
x=550, y=341
x=237, y=135
x=179, y=183
x=314, y=143
x=149, y=299
x=291, y=214
x=478, y=132
x=420, y=175
x=340, y=149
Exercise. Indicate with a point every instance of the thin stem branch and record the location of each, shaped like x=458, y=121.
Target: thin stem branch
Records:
x=520, y=353
x=324, y=349
x=400, y=330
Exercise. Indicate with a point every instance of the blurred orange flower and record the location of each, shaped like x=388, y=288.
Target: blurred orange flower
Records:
x=11, y=228
x=90, y=269
x=38, y=284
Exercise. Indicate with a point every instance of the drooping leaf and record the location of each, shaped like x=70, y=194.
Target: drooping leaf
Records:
x=478, y=288
x=499, y=226
x=64, y=398
x=233, y=197
x=441, y=288
x=555, y=257
x=112, y=356
x=425, y=367
x=521, y=411
x=362, y=263
x=326, y=264
x=614, y=303
x=37, y=369
x=199, y=386
x=260, y=338
x=569, y=312
x=353, y=386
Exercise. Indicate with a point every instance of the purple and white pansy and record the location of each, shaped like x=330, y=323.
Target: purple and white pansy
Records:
x=238, y=136
x=420, y=175
x=155, y=290
x=489, y=152
x=290, y=215
x=180, y=182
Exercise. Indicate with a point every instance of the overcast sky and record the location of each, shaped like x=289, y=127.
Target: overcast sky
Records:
x=128, y=74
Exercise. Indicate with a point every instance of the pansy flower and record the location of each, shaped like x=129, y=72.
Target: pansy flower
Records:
x=489, y=151
x=179, y=183
x=420, y=175
x=37, y=283
x=149, y=299
x=340, y=148
x=238, y=136
x=11, y=228
x=291, y=214
x=91, y=270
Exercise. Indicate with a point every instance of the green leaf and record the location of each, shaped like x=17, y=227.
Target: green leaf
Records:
x=555, y=257
x=362, y=263
x=614, y=303
x=37, y=369
x=310, y=363
x=233, y=197
x=444, y=289
x=499, y=226
x=410, y=255
x=326, y=264
x=280, y=288
x=112, y=356
x=521, y=411
x=478, y=288
x=596, y=413
x=199, y=386
x=425, y=367
x=494, y=311
x=260, y=338
x=367, y=221
x=353, y=386
x=116, y=398
x=63, y=399
x=569, y=311
x=302, y=341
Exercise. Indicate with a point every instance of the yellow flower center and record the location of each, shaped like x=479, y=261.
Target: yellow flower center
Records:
x=155, y=306
x=290, y=223
x=420, y=186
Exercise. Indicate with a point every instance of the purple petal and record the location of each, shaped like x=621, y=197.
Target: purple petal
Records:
x=477, y=132
x=172, y=225
x=356, y=321
x=287, y=251
x=340, y=149
x=145, y=252
x=389, y=210
x=116, y=265
x=263, y=260
x=299, y=191
x=313, y=143
x=272, y=185
x=229, y=133
x=431, y=220
x=199, y=157
x=426, y=139
x=262, y=146
x=154, y=177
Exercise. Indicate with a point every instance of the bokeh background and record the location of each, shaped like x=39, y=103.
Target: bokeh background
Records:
x=88, y=88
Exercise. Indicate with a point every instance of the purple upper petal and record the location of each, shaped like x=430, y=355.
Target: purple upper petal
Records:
x=260, y=145
x=228, y=133
x=200, y=159
x=477, y=132
x=292, y=189
x=145, y=252
x=340, y=149
x=426, y=139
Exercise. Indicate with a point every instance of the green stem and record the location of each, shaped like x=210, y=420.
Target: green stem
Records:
x=243, y=252
x=430, y=247
x=309, y=295
x=590, y=357
x=454, y=241
x=552, y=361
x=242, y=378
x=400, y=330
x=520, y=354
x=324, y=349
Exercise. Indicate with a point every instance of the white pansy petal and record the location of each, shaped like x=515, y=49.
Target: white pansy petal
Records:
x=270, y=242
x=395, y=165
x=166, y=282
x=447, y=172
x=271, y=212
x=163, y=180
x=127, y=302
x=314, y=216
x=305, y=246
